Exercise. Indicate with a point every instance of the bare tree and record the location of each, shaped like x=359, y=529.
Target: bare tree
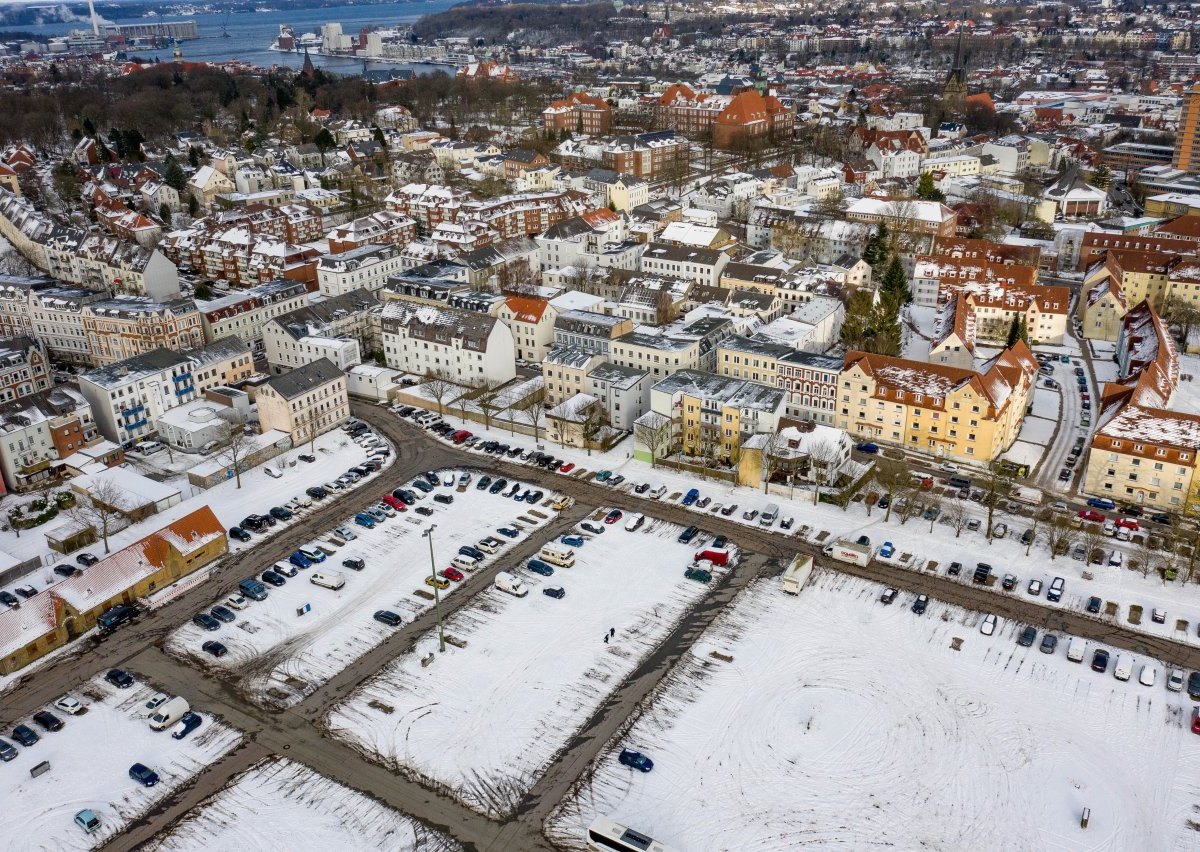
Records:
x=487, y=401
x=933, y=505
x=594, y=422
x=997, y=485
x=103, y=509
x=1144, y=557
x=1060, y=534
x=237, y=446
x=907, y=504
x=772, y=457
x=892, y=476
x=438, y=386
x=1037, y=521
x=533, y=413
x=653, y=431
x=1092, y=537
x=824, y=460
x=956, y=515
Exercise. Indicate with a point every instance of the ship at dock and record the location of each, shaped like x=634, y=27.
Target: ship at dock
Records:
x=288, y=42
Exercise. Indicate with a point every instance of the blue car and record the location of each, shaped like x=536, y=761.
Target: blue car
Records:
x=253, y=589
x=186, y=724
x=691, y=497
x=300, y=560
x=635, y=760
x=143, y=774
x=572, y=540
x=537, y=566
x=1101, y=503
x=868, y=448
x=364, y=520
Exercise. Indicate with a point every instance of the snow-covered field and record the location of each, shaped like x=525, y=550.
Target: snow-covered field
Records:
x=280, y=655
x=483, y=721
x=281, y=805
x=882, y=734
x=89, y=768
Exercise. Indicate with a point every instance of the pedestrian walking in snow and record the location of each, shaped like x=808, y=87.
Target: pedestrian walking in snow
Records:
x=605, y=638
x=612, y=631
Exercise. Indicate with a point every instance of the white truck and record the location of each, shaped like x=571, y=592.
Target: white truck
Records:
x=797, y=574
x=169, y=713
x=1029, y=496
x=511, y=583
x=850, y=552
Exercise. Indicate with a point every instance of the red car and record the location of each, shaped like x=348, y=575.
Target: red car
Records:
x=613, y=516
x=567, y=468
x=1196, y=720
x=451, y=574
x=398, y=505
x=1129, y=524
x=460, y=436
x=1091, y=515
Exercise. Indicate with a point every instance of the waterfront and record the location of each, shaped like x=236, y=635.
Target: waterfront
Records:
x=251, y=35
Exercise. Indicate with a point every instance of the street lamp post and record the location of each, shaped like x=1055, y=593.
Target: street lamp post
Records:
x=437, y=598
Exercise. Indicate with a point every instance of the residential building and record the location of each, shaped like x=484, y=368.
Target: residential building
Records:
x=24, y=368
x=579, y=113
x=1187, y=137
x=531, y=321
x=624, y=392
x=589, y=330
x=70, y=608
x=961, y=415
x=340, y=328
x=125, y=326
x=39, y=432
x=304, y=402
x=128, y=397
x=662, y=154
x=244, y=313
x=811, y=381
x=384, y=226
x=711, y=416
x=367, y=267
x=565, y=370
x=465, y=347
x=701, y=265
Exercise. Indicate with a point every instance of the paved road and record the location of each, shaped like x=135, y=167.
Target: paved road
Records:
x=297, y=732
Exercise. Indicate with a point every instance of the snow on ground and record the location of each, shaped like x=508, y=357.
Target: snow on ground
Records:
x=484, y=720
x=1038, y=430
x=279, y=804
x=1123, y=586
x=1047, y=403
x=281, y=656
x=884, y=735
x=1187, y=393
x=89, y=768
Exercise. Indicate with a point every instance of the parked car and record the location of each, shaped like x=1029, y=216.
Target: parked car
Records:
x=25, y=735
x=273, y=578
x=1048, y=644
x=554, y=592
x=203, y=619
x=187, y=723
x=537, y=566
x=635, y=760
x=1093, y=605
x=47, y=721
x=87, y=820
x=280, y=513
x=143, y=774
x=222, y=613
x=437, y=582
x=1009, y=583
x=451, y=573
x=1035, y=587
x=70, y=705
x=119, y=678
x=988, y=626
x=920, y=604
x=868, y=448
x=445, y=499
x=214, y=648
x=364, y=520
x=239, y=534
x=1175, y=680
x=7, y=751
x=888, y=596
x=700, y=575
x=1100, y=660
x=1027, y=636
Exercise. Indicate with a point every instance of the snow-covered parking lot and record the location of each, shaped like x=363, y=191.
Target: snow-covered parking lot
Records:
x=842, y=722
x=283, y=805
x=89, y=762
x=484, y=720
x=280, y=654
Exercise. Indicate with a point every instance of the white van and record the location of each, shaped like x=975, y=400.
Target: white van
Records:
x=169, y=713
x=1124, y=667
x=1076, y=649
x=327, y=579
x=557, y=554
x=511, y=583
x=464, y=563
x=767, y=518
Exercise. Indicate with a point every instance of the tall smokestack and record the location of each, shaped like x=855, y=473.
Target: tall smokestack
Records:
x=95, y=23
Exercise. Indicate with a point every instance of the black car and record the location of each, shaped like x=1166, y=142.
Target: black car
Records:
x=1027, y=637
x=431, y=477
x=514, y=452
x=86, y=559
x=47, y=721
x=720, y=541
x=26, y=591
x=1094, y=604
x=1100, y=661
x=423, y=510
x=473, y=552
x=25, y=735
x=920, y=604
x=532, y=496
x=386, y=616
x=1193, y=686
x=252, y=522
x=143, y=774
x=405, y=411
x=239, y=534
x=189, y=721
x=354, y=563
x=1165, y=520
x=281, y=513
x=642, y=488
x=554, y=592
x=272, y=578
x=422, y=486
x=119, y=679
x=484, y=482
x=443, y=498
x=687, y=535
x=223, y=613
x=65, y=570
x=309, y=459
x=373, y=465
x=405, y=495
x=203, y=619
x=498, y=486
x=214, y=648
x=9, y=598
x=955, y=569
x=316, y=492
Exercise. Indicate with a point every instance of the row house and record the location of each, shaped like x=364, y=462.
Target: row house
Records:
x=946, y=412
x=384, y=226
x=465, y=347
x=126, y=326
x=598, y=239
x=129, y=396
x=244, y=313
x=40, y=308
x=428, y=204
x=522, y=214
x=531, y=321
x=701, y=265
x=1094, y=245
x=26, y=227
x=340, y=328
x=240, y=257
x=24, y=367
x=565, y=370
x=128, y=225
x=367, y=267
x=305, y=402
x=579, y=113
x=40, y=432
x=108, y=263
x=809, y=379
x=590, y=330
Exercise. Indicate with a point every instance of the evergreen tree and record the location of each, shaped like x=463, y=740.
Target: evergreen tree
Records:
x=895, y=282
x=194, y=157
x=926, y=189
x=1102, y=177
x=174, y=176
x=1014, y=332
x=875, y=251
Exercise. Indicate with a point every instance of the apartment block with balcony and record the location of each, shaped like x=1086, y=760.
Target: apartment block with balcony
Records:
x=244, y=313
x=712, y=415
x=39, y=432
x=340, y=328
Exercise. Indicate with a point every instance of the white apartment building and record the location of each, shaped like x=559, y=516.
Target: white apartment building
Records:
x=465, y=347
x=244, y=313
x=339, y=328
x=364, y=268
